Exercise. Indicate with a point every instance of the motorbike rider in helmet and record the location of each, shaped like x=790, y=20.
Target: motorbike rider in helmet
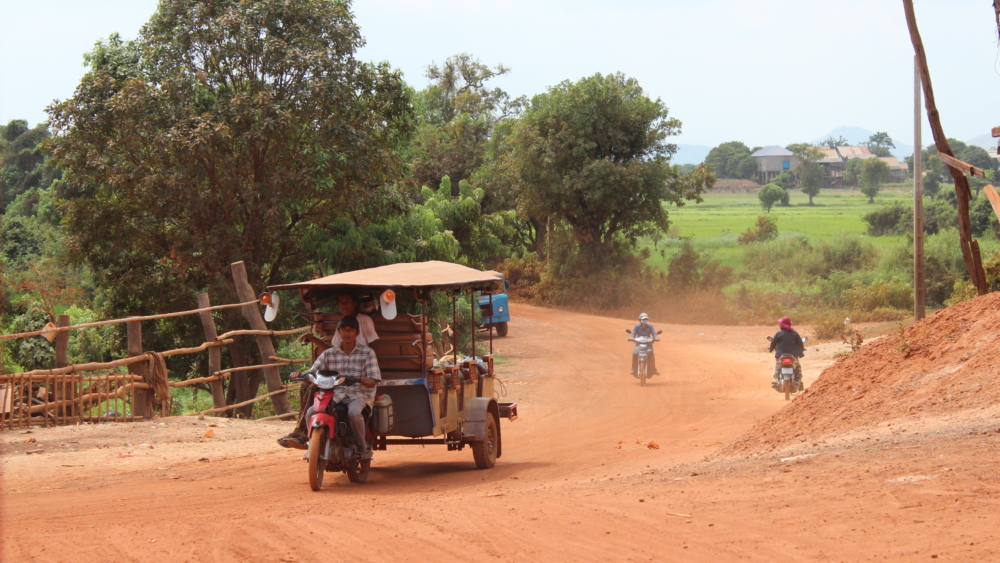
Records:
x=644, y=329
x=787, y=341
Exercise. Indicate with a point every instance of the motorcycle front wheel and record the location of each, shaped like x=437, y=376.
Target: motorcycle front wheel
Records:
x=642, y=373
x=317, y=465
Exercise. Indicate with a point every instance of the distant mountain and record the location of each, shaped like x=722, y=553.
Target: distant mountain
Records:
x=985, y=141
x=690, y=154
x=857, y=135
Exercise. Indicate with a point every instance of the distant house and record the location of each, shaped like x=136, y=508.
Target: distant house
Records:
x=900, y=171
x=848, y=153
x=832, y=163
x=772, y=161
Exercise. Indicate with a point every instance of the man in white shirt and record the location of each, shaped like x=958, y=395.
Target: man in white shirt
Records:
x=348, y=305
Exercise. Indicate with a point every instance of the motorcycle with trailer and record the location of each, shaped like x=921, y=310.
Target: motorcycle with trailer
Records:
x=423, y=399
x=332, y=445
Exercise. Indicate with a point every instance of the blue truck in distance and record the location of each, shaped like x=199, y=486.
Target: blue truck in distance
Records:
x=499, y=315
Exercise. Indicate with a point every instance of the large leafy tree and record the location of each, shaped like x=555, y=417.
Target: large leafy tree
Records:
x=732, y=160
x=227, y=131
x=594, y=153
x=223, y=133
x=456, y=115
x=880, y=144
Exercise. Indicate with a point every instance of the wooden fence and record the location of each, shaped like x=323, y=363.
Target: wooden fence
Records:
x=69, y=394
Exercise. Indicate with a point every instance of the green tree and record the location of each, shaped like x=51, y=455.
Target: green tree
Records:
x=769, y=194
x=931, y=185
x=880, y=143
x=594, y=154
x=742, y=166
x=483, y=238
x=978, y=157
x=456, y=116
x=982, y=217
x=786, y=181
x=852, y=171
x=809, y=171
x=874, y=173
x=224, y=132
x=227, y=131
x=726, y=160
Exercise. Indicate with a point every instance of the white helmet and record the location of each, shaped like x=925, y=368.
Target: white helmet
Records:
x=643, y=317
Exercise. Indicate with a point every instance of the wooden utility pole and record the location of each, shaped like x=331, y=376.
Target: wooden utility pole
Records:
x=970, y=247
x=252, y=314
x=919, y=289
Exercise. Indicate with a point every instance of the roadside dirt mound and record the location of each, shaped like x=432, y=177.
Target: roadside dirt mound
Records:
x=942, y=371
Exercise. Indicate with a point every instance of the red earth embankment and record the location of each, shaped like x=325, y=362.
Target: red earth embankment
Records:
x=941, y=372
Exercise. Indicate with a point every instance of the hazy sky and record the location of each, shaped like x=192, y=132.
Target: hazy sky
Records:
x=763, y=72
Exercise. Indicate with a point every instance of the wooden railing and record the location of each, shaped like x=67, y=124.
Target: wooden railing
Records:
x=73, y=393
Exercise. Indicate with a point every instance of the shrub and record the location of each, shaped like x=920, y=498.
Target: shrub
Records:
x=897, y=219
x=830, y=328
x=888, y=220
x=522, y=274
x=691, y=271
x=846, y=253
x=883, y=294
x=769, y=194
x=763, y=230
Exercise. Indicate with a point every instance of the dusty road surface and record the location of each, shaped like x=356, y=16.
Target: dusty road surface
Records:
x=596, y=469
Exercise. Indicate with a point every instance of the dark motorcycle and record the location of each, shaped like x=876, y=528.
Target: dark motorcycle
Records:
x=332, y=446
x=788, y=381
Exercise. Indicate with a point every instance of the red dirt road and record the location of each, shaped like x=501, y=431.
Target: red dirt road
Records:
x=577, y=480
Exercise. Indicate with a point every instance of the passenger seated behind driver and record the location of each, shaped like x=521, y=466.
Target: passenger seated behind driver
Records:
x=349, y=307
x=787, y=341
x=351, y=359
x=644, y=329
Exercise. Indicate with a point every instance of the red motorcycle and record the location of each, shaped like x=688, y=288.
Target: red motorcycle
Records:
x=332, y=446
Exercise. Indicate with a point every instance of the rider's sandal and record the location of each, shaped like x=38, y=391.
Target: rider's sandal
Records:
x=292, y=441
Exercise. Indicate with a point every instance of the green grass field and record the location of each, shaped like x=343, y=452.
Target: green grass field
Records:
x=714, y=224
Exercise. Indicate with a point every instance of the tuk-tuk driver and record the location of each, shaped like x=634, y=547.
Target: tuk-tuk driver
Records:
x=351, y=359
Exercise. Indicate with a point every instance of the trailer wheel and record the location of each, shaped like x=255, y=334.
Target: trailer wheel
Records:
x=485, y=451
x=502, y=328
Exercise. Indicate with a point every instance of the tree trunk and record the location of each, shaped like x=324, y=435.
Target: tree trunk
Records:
x=970, y=247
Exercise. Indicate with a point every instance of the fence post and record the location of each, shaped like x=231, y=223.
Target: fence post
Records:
x=142, y=399
x=66, y=389
x=214, y=354
x=252, y=315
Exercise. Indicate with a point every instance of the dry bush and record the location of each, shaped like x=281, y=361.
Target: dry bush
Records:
x=830, y=328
